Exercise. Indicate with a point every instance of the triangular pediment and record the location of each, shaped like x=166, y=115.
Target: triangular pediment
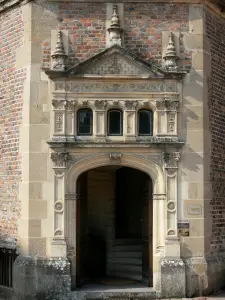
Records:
x=116, y=61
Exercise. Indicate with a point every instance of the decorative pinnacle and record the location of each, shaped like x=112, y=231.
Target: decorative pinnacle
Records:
x=114, y=29
x=59, y=48
x=171, y=50
x=115, y=22
x=170, y=56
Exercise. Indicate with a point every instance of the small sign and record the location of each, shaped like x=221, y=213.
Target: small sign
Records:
x=194, y=209
x=183, y=227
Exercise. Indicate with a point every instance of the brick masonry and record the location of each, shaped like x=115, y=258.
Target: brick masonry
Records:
x=143, y=26
x=215, y=28
x=11, y=89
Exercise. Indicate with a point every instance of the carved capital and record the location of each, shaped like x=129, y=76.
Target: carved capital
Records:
x=59, y=104
x=167, y=105
x=59, y=159
x=171, y=160
x=100, y=104
x=131, y=105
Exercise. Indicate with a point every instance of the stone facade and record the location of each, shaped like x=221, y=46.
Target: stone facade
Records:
x=59, y=57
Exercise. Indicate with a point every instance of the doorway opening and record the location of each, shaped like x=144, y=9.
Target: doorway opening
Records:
x=114, y=227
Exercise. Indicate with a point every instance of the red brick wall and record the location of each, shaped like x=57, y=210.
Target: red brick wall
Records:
x=215, y=28
x=11, y=87
x=143, y=24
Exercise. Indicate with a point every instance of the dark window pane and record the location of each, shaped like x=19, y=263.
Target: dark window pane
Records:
x=115, y=122
x=84, y=119
x=145, y=122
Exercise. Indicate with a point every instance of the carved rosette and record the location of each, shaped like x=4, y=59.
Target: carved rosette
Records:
x=171, y=160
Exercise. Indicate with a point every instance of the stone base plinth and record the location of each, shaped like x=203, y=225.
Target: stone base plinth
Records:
x=204, y=276
x=173, y=281
x=41, y=279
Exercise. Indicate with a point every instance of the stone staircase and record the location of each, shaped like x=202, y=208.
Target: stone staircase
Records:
x=125, y=259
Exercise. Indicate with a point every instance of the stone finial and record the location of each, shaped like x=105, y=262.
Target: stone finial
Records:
x=115, y=32
x=59, y=56
x=171, y=56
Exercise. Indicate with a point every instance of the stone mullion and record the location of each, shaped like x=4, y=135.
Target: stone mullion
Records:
x=99, y=121
x=130, y=122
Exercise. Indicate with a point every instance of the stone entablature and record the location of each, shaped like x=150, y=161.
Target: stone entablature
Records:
x=161, y=97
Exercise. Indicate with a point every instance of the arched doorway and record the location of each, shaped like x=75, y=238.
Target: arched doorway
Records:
x=114, y=226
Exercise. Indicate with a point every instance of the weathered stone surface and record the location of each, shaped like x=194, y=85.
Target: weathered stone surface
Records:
x=39, y=279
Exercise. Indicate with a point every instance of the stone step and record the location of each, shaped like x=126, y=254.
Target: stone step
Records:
x=126, y=242
x=125, y=260
x=127, y=248
x=119, y=254
x=125, y=274
x=125, y=268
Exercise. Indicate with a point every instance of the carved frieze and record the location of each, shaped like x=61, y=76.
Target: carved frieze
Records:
x=112, y=87
x=59, y=159
x=171, y=159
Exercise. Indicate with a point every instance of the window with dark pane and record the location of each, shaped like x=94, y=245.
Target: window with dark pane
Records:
x=145, y=123
x=115, y=122
x=84, y=122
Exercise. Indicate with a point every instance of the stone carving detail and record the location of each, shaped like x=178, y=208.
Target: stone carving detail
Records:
x=115, y=32
x=171, y=207
x=100, y=104
x=171, y=159
x=58, y=207
x=71, y=104
x=171, y=172
x=167, y=105
x=111, y=87
x=59, y=159
x=59, y=56
x=59, y=104
x=171, y=122
x=171, y=232
x=115, y=64
x=115, y=156
x=171, y=56
x=131, y=105
x=85, y=102
x=59, y=122
x=58, y=232
x=172, y=105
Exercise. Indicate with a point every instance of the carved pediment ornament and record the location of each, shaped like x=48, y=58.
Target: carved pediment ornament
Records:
x=171, y=160
x=59, y=159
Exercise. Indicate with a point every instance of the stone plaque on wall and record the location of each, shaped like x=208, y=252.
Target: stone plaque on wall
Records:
x=194, y=209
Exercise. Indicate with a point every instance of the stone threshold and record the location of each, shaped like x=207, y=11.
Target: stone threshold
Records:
x=115, y=293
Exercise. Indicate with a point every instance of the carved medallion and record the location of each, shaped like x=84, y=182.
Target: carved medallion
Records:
x=58, y=207
x=171, y=207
